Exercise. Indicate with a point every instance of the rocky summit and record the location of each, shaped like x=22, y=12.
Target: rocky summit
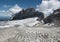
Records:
x=28, y=13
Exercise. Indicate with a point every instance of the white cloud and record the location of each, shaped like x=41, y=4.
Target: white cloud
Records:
x=5, y=13
x=11, y=11
x=2, y=11
x=15, y=9
x=52, y=4
x=43, y=6
x=48, y=6
x=49, y=0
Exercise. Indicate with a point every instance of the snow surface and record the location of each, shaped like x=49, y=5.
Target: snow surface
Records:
x=24, y=22
x=30, y=30
x=26, y=31
x=29, y=34
x=29, y=22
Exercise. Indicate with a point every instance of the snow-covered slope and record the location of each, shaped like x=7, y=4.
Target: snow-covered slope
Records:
x=24, y=31
x=24, y=22
x=29, y=22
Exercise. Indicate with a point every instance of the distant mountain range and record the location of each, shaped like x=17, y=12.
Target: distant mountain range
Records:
x=47, y=7
x=27, y=13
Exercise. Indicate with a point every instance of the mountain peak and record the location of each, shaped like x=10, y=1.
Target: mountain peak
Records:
x=15, y=9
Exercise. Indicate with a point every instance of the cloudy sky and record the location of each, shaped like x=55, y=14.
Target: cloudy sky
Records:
x=40, y=5
x=6, y=4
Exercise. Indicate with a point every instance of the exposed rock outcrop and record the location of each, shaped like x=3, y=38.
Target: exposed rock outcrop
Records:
x=28, y=13
x=53, y=18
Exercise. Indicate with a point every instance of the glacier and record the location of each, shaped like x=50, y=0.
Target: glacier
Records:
x=26, y=31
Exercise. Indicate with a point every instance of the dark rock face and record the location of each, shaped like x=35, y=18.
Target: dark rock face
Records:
x=53, y=18
x=41, y=16
x=28, y=13
x=57, y=10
